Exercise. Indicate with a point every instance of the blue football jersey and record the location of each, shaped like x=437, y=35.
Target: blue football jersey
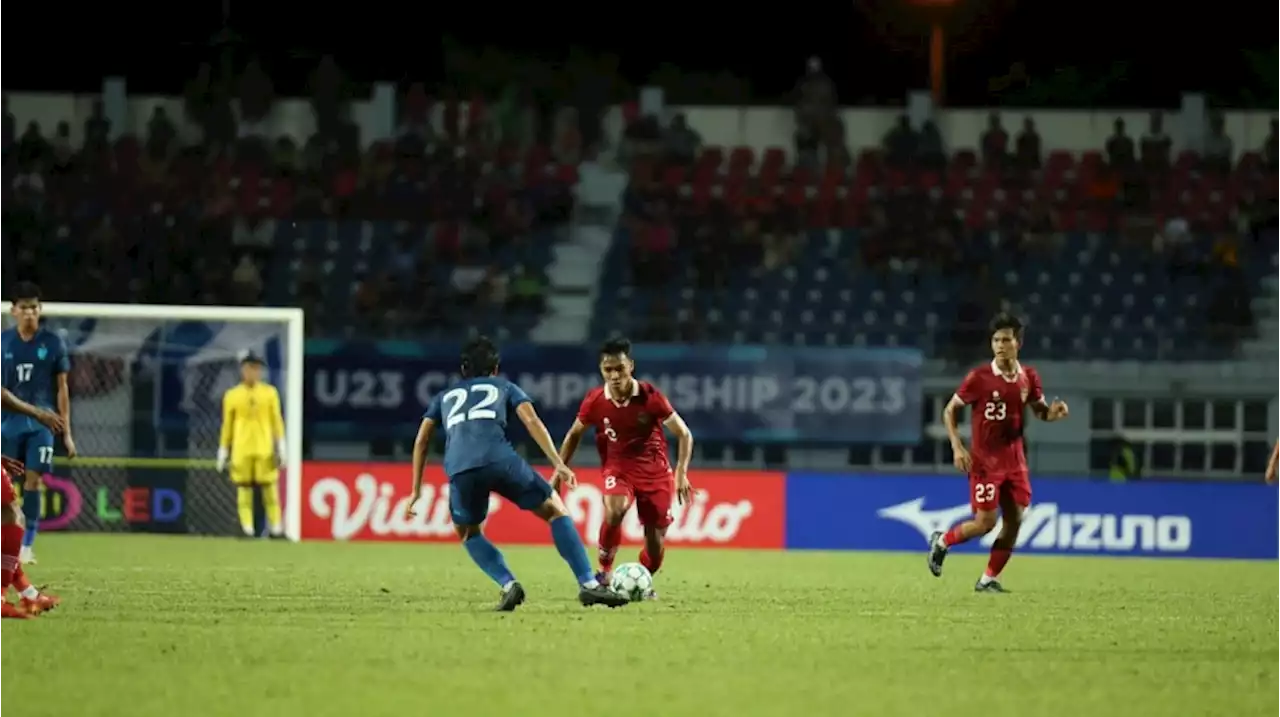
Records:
x=473, y=413
x=30, y=367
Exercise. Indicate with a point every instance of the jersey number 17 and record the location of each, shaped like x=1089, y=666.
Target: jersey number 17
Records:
x=24, y=371
x=457, y=398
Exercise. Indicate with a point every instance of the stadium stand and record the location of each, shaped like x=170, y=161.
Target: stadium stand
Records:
x=742, y=247
x=440, y=229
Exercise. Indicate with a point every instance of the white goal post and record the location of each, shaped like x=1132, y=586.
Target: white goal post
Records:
x=132, y=338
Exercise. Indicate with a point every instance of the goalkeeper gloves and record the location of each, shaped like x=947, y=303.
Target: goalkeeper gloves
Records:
x=222, y=459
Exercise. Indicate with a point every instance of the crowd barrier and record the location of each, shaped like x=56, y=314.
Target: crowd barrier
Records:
x=802, y=511
x=360, y=501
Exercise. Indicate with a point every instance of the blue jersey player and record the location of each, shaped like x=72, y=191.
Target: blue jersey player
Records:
x=35, y=371
x=479, y=461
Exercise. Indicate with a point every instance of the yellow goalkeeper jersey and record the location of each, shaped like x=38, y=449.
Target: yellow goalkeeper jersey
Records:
x=252, y=424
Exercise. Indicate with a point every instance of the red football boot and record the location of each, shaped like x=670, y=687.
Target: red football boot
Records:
x=44, y=602
x=9, y=611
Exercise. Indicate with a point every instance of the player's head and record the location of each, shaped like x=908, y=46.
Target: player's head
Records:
x=26, y=304
x=1006, y=335
x=250, y=367
x=480, y=358
x=616, y=364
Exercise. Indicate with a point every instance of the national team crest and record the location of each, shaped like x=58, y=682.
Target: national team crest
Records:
x=1025, y=392
x=42, y=353
x=644, y=419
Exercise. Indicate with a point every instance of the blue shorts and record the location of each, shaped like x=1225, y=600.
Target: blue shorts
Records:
x=512, y=479
x=31, y=445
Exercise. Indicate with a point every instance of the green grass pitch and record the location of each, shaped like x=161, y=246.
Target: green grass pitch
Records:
x=195, y=627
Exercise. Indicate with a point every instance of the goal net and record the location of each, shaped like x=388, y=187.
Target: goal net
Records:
x=146, y=386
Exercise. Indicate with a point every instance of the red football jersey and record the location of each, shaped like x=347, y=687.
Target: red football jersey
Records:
x=999, y=415
x=629, y=434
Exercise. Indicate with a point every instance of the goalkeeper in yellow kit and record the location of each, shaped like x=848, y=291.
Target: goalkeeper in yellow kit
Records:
x=253, y=442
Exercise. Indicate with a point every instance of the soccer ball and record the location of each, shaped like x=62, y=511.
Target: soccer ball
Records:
x=633, y=580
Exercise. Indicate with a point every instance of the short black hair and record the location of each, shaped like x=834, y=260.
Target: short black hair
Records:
x=25, y=290
x=616, y=346
x=479, y=357
x=1005, y=320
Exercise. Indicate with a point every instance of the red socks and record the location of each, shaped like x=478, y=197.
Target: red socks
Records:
x=609, y=540
x=10, y=546
x=652, y=562
x=953, y=536
x=999, y=558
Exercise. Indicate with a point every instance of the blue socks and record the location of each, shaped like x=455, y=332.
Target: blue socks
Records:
x=489, y=559
x=569, y=544
x=31, y=512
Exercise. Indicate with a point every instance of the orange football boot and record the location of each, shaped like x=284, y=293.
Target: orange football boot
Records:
x=44, y=602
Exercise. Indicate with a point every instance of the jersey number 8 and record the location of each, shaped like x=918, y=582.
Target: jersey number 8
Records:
x=457, y=398
x=995, y=411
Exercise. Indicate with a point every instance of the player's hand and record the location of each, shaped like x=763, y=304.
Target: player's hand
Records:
x=51, y=420
x=684, y=489
x=563, y=476
x=13, y=466
x=409, y=512
x=960, y=457
x=1271, y=473
x=70, y=444
x=1058, y=410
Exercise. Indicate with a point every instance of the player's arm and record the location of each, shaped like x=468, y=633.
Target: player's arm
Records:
x=277, y=425
x=684, y=454
x=421, y=445
x=965, y=395
x=228, y=428
x=48, y=418
x=62, y=368
x=538, y=432
x=1273, y=465
x=1042, y=408
x=569, y=445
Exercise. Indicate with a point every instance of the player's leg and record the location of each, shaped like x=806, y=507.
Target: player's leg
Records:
x=241, y=473
x=10, y=544
x=522, y=485
x=469, y=506
x=268, y=485
x=38, y=460
x=1015, y=496
x=653, y=507
x=569, y=544
x=33, y=600
x=618, y=496
x=984, y=492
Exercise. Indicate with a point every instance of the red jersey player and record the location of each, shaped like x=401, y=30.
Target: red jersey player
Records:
x=1000, y=393
x=629, y=416
x=32, y=602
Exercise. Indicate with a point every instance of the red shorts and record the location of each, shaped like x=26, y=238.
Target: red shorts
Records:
x=7, y=493
x=652, y=495
x=987, y=490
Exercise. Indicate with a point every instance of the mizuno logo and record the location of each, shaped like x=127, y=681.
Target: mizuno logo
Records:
x=1045, y=527
x=926, y=522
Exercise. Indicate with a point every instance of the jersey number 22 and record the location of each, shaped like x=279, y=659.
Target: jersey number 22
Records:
x=457, y=398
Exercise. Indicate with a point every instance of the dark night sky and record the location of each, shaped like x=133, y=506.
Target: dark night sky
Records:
x=872, y=48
